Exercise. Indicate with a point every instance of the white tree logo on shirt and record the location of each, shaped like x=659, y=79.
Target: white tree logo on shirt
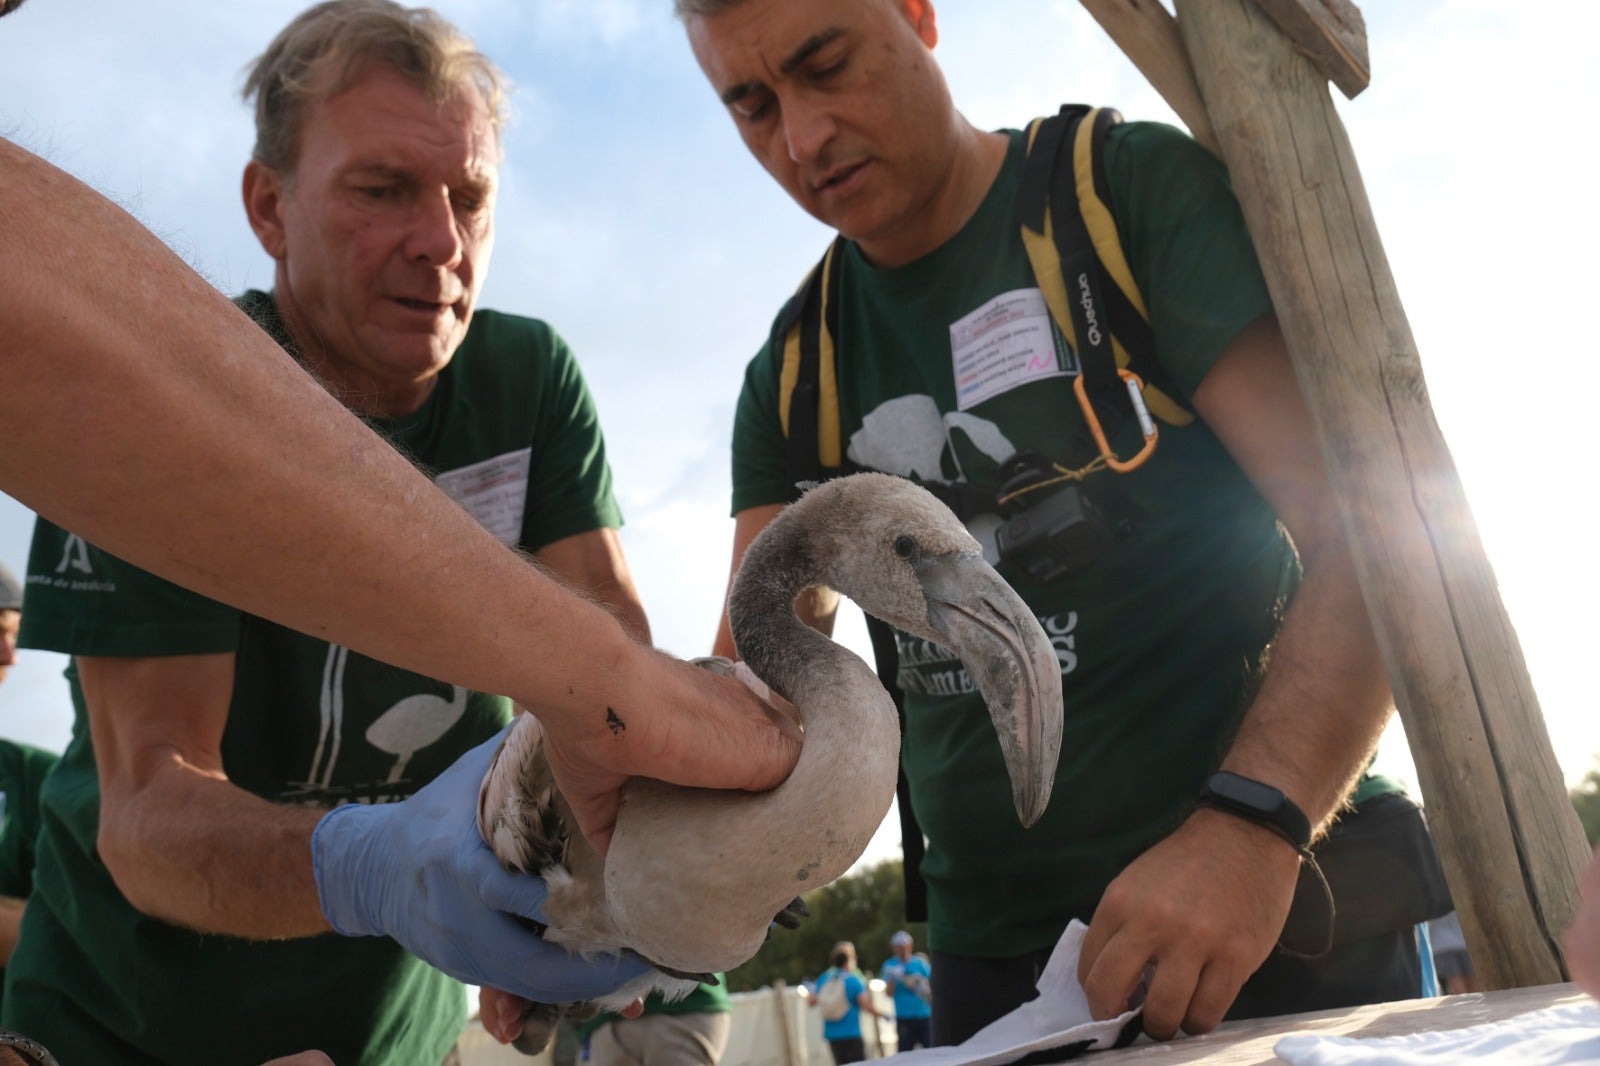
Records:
x=75, y=556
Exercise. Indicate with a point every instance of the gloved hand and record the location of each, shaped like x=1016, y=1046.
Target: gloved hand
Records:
x=419, y=872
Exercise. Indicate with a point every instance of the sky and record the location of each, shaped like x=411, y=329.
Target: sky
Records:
x=632, y=218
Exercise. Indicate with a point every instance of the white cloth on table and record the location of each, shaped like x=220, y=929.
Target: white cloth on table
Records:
x=1057, y=1017
x=1567, y=1035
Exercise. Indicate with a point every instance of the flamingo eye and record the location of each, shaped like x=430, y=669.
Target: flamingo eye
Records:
x=904, y=545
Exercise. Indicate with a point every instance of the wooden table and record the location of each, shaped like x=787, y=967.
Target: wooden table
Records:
x=1250, y=1043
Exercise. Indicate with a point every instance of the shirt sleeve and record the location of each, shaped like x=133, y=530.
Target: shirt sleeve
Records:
x=1187, y=245
x=760, y=449
x=84, y=601
x=569, y=483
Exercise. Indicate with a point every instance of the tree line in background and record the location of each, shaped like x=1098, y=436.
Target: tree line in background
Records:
x=865, y=907
x=868, y=906
x=1586, y=799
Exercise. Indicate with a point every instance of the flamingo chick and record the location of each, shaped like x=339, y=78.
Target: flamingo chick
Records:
x=695, y=877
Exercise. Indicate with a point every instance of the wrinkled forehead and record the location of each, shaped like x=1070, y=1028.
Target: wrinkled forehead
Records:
x=759, y=40
x=382, y=113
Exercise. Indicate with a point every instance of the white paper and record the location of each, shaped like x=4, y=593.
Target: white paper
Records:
x=1060, y=1015
x=1009, y=341
x=495, y=492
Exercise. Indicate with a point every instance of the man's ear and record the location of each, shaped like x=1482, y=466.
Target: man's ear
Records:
x=263, y=205
x=920, y=14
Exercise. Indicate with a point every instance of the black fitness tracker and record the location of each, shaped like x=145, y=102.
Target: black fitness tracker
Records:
x=1259, y=803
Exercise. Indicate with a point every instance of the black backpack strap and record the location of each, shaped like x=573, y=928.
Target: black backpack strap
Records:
x=808, y=399
x=1088, y=197
x=886, y=658
x=1089, y=325
x=1076, y=253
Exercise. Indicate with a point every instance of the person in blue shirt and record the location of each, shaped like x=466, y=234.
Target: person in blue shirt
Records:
x=844, y=1032
x=910, y=982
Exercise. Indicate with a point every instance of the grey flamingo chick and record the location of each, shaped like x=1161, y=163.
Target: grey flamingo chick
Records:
x=695, y=877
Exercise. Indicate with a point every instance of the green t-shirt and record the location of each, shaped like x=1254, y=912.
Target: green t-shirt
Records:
x=309, y=723
x=708, y=998
x=946, y=367
x=22, y=770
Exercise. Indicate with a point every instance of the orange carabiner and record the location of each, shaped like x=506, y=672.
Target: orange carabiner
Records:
x=1146, y=423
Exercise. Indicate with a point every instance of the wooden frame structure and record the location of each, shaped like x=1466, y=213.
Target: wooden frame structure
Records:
x=1249, y=78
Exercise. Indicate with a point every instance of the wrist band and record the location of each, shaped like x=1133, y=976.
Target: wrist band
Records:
x=1267, y=806
x=1260, y=803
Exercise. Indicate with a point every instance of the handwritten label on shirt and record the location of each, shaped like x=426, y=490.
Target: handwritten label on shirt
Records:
x=495, y=492
x=1009, y=341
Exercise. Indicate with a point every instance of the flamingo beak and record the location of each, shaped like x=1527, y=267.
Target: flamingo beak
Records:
x=1010, y=659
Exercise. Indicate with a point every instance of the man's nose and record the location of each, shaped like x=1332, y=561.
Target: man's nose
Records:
x=807, y=129
x=435, y=236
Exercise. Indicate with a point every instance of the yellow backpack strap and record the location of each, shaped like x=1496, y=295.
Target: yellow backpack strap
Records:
x=808, y=386
x=1064, y=213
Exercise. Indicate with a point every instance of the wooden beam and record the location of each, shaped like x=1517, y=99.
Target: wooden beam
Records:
x=1331, y=33
x=1148, y=35
x=1510, y=840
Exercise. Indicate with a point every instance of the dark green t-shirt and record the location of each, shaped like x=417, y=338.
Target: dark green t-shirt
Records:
x=510, y=432
x=946, y=367
x=22, y=770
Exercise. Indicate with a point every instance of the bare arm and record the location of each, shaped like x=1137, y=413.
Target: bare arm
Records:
x=1325, y=698
x=182, y=843
x=1207, y=903
x=817, y=607
x=215, y=459
x=593, y=563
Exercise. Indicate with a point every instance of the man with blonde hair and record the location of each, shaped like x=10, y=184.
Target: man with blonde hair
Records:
x=233, y=788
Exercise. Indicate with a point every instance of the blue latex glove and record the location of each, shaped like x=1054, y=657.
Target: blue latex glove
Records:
x=419, y=872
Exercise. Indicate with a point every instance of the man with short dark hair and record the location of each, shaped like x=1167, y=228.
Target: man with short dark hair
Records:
x=1193, y=771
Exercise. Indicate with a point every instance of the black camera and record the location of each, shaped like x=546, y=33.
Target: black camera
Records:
x=1051, y=530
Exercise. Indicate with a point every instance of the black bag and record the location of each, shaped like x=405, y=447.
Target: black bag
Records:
x=1382, y=871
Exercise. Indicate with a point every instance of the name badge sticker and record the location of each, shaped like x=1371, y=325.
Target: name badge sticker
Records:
x=495, y=492
x=1006, y=343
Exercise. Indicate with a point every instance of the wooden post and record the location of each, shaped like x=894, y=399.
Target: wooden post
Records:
x=1510, y=840
x=1149, y=36
x=1331, y=33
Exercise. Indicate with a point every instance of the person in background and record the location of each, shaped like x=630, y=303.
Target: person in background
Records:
x=10, y=618
x=692, y=1031
x=1451, y=961
x=230, y=791
x=22, y=770
x=909, y=980
x=1196, y=770
x=843, y=1032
